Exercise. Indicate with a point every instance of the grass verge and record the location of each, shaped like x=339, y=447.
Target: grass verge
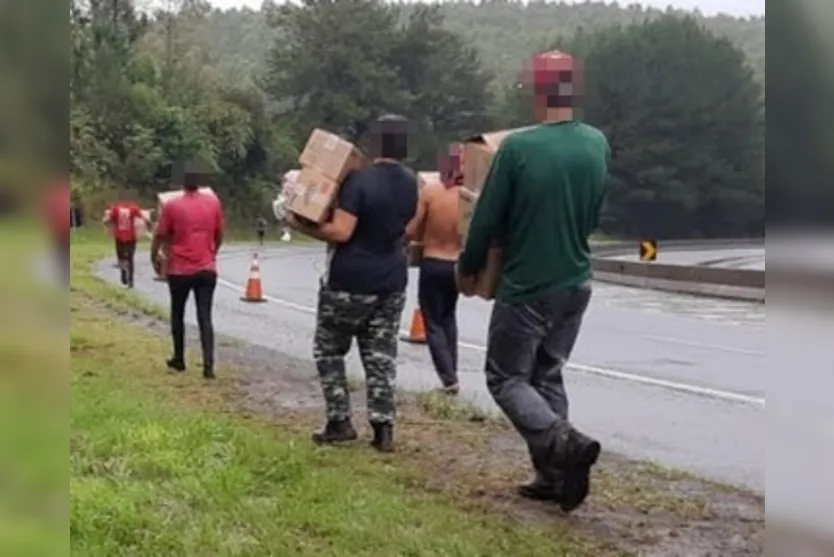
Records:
x=157, y=467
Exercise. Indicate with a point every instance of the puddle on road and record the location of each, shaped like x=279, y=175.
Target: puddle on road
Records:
x=653, y=301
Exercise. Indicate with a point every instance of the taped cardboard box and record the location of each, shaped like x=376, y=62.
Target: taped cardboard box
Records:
x=331, y=155
x=478, y=152
x=311, y=195
x=326, y=161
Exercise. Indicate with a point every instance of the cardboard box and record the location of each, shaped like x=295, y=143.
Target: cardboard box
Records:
x=478, y=152
x=311, y=195
x=486, y=282
x=466, y=208
x=331, y=155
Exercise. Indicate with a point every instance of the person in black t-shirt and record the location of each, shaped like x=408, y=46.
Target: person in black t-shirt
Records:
x=362, y=292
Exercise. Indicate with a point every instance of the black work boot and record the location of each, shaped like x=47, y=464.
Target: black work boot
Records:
x=580, y=453
x=175, y=364
x=383, y=440
x=208, y=372
x=541, y=489
x=336, y=431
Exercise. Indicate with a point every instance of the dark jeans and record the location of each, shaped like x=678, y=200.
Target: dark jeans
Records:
x=261, y=235
x=203, y=285
x=126, y=254
x=528, y=347
x=438, y=296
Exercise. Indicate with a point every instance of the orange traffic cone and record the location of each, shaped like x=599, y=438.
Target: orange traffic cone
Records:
x=417, y=332
x=254, y=291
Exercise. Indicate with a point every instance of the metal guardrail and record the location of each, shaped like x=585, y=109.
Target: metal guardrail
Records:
x=743, y=284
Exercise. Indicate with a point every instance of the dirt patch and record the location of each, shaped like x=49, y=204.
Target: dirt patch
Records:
x=637, y=508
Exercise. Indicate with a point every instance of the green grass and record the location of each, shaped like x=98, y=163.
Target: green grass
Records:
x=158, y=466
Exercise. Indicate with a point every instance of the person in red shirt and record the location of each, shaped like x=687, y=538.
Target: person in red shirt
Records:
x=57, y=209
x=122, y=217
x=192, y=227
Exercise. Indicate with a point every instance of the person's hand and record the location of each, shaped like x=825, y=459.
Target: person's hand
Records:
x=156, y=263
x=465, y=283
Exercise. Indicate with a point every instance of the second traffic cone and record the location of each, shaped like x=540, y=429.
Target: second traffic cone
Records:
x=254, y=290
x=417, y=331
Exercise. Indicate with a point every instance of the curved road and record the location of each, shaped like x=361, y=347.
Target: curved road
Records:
x=728, y=258
x=655, y=376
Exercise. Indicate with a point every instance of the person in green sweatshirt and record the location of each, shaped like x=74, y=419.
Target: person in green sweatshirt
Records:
x=541, y=201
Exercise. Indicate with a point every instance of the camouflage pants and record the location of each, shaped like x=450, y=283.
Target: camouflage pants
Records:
x=375, y=322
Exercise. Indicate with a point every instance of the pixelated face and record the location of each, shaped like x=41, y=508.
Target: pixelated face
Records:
x=389, y=137
x=553, y=80
x=450, y=165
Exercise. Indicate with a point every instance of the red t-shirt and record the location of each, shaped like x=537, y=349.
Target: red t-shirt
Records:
x=58, y=208
x=123, y=217
x=191, y=223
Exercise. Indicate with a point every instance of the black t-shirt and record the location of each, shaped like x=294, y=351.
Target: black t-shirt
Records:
x=383, y=198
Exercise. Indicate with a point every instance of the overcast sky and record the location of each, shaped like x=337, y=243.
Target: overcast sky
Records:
x=708, y=7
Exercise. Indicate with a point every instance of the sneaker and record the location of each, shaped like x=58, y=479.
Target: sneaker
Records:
x=383, y=440
x=336, y=431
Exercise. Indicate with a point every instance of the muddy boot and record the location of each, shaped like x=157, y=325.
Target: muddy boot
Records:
x=542, y=489
x=383, y=440
x=580, y=453
x=340, y=431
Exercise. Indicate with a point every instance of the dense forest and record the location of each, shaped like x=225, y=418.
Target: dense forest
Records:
x=504, y=32
x=680, y=96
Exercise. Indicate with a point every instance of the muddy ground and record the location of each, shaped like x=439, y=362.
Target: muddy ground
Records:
x=638, y=508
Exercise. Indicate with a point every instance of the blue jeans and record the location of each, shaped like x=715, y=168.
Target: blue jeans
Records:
x=528, y=347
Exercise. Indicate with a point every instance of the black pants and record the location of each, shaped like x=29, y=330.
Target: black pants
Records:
x=126, y=253
x=261, y=234
x=203, y=285
x=438, y=295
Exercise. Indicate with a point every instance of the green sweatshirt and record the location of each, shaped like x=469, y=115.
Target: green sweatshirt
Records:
x=541, y=201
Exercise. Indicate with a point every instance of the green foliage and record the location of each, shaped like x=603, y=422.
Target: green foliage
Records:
x=680, y=98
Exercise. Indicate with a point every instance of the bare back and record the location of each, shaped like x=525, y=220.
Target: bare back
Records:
x=441, y=236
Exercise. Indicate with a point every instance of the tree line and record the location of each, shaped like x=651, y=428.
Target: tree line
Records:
x=682, y=104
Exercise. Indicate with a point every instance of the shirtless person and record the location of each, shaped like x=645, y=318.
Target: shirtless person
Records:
x=436, y=226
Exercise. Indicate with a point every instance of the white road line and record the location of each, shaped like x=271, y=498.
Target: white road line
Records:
x=695, y=344
x=717, y=394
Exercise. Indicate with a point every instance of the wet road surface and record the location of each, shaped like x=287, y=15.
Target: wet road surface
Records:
x=727, y=258
x=656, y=376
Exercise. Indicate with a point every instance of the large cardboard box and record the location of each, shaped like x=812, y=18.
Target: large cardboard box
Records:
x=486, y=283
x=487, y=280
x=478, y=152
x=466, y=208
x=311, y=195
x=331, y=155
x=326, y=161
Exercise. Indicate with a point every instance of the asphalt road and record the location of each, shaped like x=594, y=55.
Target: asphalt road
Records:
x=730, y=258
x=674, y=379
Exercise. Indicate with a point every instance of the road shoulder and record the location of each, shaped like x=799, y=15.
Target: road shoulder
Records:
x=448, y=452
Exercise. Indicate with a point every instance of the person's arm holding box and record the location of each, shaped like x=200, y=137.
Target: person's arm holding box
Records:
x=488, y=218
